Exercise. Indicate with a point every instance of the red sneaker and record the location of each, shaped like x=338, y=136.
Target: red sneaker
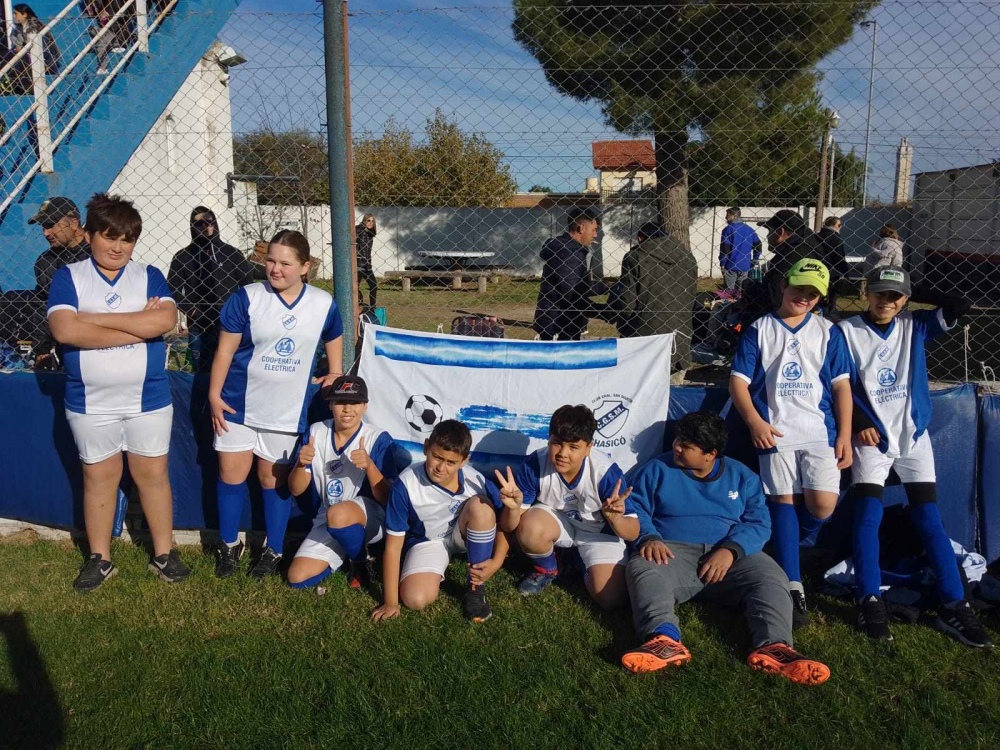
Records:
x=781, y=659
x=656, y=653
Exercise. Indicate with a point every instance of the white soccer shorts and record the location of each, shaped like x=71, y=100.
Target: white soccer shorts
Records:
x=271, y=445
x=871, y=466
x=100, y=436
x=319, y=545
x=789, y=472
x=595, y=548
x=433, y=555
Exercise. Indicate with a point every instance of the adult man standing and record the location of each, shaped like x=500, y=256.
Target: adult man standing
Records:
x=563, y=305
x=202, y=276
x=831, y=246
x=658, y=285
x=59, y=219
x=790, y=241
x=740, y=248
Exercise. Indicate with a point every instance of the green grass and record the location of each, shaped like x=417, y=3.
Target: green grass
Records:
x=232, y=663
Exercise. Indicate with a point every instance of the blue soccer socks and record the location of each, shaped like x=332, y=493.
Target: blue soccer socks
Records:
x=785, y=538
x=480, y=544
x=231, y=499
x=867, y=573
x=545, y=562
x=277, y=509
x=937, y=546
x=351, y=538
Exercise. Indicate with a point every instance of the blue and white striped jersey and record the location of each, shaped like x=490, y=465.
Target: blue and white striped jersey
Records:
x=422, y=510
x=791, y=372
x=582, y=499
x=890, y=374
x=272, y=367
x=128, y=379
x=334, y=477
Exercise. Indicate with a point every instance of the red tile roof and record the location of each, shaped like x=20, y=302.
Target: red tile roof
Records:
x=623, y=155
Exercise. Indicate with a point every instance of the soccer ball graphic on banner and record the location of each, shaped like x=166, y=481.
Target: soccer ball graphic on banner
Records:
x=422, y=413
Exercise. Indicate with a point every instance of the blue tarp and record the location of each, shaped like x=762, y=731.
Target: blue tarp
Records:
x=41, y=480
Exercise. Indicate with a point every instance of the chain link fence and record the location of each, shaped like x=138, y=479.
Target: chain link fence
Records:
x=508, y=158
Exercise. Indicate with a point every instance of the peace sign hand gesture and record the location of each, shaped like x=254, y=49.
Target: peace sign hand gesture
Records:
x=510, y=493
x=614, y=506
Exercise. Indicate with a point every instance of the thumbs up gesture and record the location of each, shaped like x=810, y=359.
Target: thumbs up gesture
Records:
x=359, y=456
x=307, y=452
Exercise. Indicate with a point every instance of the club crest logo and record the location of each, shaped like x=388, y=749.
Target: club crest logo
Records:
x=285, y=347
x=884, y=353
x=334, y=490
x=288, y=321
x=611, y=414
x=113, y=300
x=793, y=346
x=335, y=467
x=792, y=371
x=886, y=377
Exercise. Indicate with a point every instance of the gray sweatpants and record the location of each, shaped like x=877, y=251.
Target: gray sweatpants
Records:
x=755, y=583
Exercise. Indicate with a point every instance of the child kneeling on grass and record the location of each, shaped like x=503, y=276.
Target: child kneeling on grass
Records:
x=791, y=384
x=703, y=523
x=436, y=509
x=893, y=409
x=565, y=495
x=343, y=460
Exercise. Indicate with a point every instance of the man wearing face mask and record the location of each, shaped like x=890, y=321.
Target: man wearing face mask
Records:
x=202, y=276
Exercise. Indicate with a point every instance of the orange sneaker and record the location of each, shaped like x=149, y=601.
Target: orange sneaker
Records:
x=656, y=653
x=778, y=658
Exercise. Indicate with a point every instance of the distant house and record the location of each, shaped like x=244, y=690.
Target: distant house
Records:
x=624, y=166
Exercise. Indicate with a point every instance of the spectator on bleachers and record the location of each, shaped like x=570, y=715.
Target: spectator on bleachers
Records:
x=202, y=277
x=100, y=12
x=27, y=24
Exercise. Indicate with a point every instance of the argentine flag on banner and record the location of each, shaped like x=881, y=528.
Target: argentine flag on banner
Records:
x=505, y=390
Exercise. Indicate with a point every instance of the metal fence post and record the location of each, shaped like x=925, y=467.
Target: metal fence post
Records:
x=43, y=131
x=142, y=25
x=339, y=143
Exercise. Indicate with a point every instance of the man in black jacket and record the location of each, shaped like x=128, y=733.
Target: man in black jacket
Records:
x=564, y=305
x=202, y=276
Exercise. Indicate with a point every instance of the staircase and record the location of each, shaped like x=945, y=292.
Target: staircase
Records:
x=98, y=147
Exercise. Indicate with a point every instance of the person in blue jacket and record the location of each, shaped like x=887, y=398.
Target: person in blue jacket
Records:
x=563, y=307
x=739, y=250
x=703, y=522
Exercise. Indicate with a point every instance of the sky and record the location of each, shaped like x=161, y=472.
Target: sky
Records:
x=936, y=82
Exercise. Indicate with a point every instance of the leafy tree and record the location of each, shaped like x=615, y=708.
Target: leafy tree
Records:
x=446, y=168
x=539, y=189
x=299, y=154
x=703, y=77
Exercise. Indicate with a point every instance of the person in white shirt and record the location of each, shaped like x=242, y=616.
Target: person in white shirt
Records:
x=110, y=313
x=269, y=335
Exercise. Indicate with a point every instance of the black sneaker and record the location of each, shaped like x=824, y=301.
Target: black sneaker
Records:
x=95, y=571
x=474, y=604
x=962, y=624
x=227, y=559
x=872, y=618
x=266, y=566
x=359, y=573
x=169, y=567
x=800, y=613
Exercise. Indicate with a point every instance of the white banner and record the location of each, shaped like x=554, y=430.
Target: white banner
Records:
x=505, y=390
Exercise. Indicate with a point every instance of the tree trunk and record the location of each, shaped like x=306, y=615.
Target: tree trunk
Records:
x=672, y=184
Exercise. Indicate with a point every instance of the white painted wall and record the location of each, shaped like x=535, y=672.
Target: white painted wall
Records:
x=181, y=163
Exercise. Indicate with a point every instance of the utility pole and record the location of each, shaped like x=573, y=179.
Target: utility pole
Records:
x=832, y=121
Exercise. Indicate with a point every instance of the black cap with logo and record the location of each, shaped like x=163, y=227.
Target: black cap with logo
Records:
x=53, y=210
x=348, y=389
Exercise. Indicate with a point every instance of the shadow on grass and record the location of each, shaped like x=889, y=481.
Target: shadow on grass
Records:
x=30, y=716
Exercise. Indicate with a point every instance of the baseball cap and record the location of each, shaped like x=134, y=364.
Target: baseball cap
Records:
x=889, y=279
x=53, y=209
x=809, y=272
x=348, y=389
x=786, y=218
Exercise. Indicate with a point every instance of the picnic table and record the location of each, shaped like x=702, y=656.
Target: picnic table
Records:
x=458, y=258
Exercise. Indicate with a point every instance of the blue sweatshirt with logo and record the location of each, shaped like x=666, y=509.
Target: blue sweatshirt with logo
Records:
x=725, y=509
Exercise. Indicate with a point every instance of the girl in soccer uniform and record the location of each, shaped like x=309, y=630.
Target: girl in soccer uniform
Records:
x=110, y=313
x=791, y=384
x=269, y=335
x=344, y=461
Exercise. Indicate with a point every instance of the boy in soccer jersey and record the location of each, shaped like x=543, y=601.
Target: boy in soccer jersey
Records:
x=436, y=509
x=703, y=525
x=342, y=460
x=791, y=384
x=561, y=497
x=891, y=415
x=110, y=313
